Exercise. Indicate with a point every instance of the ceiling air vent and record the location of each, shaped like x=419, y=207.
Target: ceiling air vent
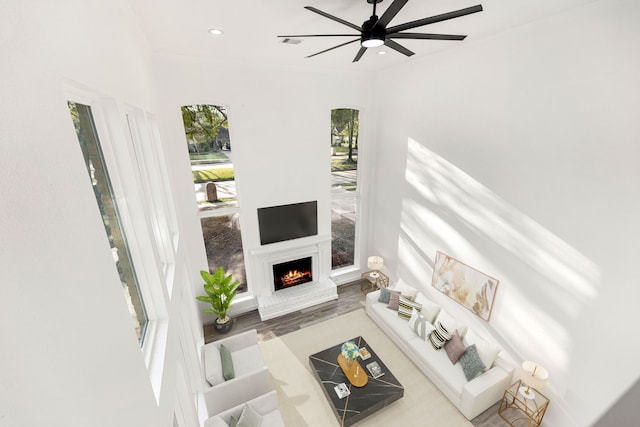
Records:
x=291, y=41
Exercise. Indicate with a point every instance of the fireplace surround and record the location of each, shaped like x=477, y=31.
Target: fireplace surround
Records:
x=311, y=287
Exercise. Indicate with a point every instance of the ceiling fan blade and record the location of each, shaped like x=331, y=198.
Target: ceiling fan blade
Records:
x=359, y=54
x=391, y=12
x=419, y=36
x=322, y=35
x=331, y=48
x=334, y=18
x=398, y=47
x=434, y=19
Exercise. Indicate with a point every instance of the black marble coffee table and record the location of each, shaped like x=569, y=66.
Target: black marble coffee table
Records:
x=363, y=401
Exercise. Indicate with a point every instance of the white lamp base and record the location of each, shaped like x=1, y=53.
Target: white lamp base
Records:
x=527, y=393
x=375, y=274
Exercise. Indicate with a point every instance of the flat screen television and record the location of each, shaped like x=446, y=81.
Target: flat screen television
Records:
x=287, y=222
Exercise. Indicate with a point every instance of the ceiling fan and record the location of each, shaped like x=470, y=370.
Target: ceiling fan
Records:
x=374, y=31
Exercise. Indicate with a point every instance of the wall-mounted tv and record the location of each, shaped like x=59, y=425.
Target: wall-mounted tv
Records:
x=287, y=222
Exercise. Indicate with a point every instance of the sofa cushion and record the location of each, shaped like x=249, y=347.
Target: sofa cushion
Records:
x=429, y=308
x=216, y=422
x=384, y=295
x=212, y=365
x=394, y=300
x=439, y=336
x=419, y=325
x=390, y=319
x=450, y=322
x=438, y=364
x=472, y=365
x=487, y=350
x=406, y=306
x=249, y=417
x=246, y=359
x=227, y=363
x=408, y=291
x=454, y=347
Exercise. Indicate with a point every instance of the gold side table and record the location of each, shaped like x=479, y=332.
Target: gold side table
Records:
x=519, y=411
x=372, y=280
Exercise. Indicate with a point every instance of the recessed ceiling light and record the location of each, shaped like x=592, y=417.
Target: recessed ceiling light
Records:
x=382, y=52
x=216, y=32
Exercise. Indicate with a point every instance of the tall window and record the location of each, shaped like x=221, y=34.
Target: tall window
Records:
x=344, y=189
x=210, y=152
x=99, y=176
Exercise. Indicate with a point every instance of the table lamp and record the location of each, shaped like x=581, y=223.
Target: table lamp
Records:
x=375, y=263
x=533, y=376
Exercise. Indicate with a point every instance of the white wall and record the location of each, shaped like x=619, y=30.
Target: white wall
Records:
x=279, y=123
x=69, y=354
x=522, y=160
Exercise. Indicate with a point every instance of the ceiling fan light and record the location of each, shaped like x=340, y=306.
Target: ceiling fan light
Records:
x=372, y=42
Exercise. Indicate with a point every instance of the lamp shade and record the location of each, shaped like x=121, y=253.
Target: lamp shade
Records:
x=533, y=375
x=375, y=263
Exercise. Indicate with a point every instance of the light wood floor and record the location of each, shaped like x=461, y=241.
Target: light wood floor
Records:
x=350, y=297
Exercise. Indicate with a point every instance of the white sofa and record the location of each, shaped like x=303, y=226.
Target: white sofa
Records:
x=265, y=406
x=470, y=397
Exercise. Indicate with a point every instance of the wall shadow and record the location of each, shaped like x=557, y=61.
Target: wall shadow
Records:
x=545, y=284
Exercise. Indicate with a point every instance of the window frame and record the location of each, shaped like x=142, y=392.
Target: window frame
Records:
x=225, y=210
x=349, y=272
x=112, y=129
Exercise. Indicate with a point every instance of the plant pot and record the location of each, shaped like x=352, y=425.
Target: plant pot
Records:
x=223, y=328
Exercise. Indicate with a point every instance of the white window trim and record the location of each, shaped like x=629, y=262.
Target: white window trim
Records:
x=111, y=128
x=351, y=272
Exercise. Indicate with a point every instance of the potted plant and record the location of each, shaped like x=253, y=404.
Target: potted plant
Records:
x=220, y=289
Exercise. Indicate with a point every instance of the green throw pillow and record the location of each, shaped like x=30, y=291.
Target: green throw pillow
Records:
x=232, y=421
x=227, y=363
x=471, y=363
x=384, y=295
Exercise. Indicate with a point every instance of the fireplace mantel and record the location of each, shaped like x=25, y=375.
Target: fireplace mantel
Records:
x=273, y=304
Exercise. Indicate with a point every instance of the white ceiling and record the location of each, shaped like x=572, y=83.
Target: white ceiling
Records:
x=251, y=27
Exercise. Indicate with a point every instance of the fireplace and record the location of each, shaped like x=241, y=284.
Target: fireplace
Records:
x=292, y=273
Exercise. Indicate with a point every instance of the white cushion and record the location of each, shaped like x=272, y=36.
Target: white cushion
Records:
x=249, y=417
x=450, y=323
x=487, y=351
x=429, y=308
x=419, y=325
x=247, y=360
x=406, y=290
x=273, y=418
x=212, y=365
x=215, y=422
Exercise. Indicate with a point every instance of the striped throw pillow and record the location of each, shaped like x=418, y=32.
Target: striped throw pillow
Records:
x=406, y=306
x=439, y=336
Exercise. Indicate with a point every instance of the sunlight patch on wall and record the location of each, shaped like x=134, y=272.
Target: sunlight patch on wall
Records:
x=545, y=284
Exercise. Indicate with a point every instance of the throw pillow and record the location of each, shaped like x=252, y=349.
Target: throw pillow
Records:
x=408, y=291
x=249, y=417
x=429, y=308
x=471, y=363
x=454, y=347
x=406, y=306
x=394, y=299
x=450, y=322
x=488, y=351
x=227, y=363
x=213, y=364
x=419, y=325
x=384, y=295
x=439, y=336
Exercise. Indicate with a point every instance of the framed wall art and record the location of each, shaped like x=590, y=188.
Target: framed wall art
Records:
x=464, y=284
